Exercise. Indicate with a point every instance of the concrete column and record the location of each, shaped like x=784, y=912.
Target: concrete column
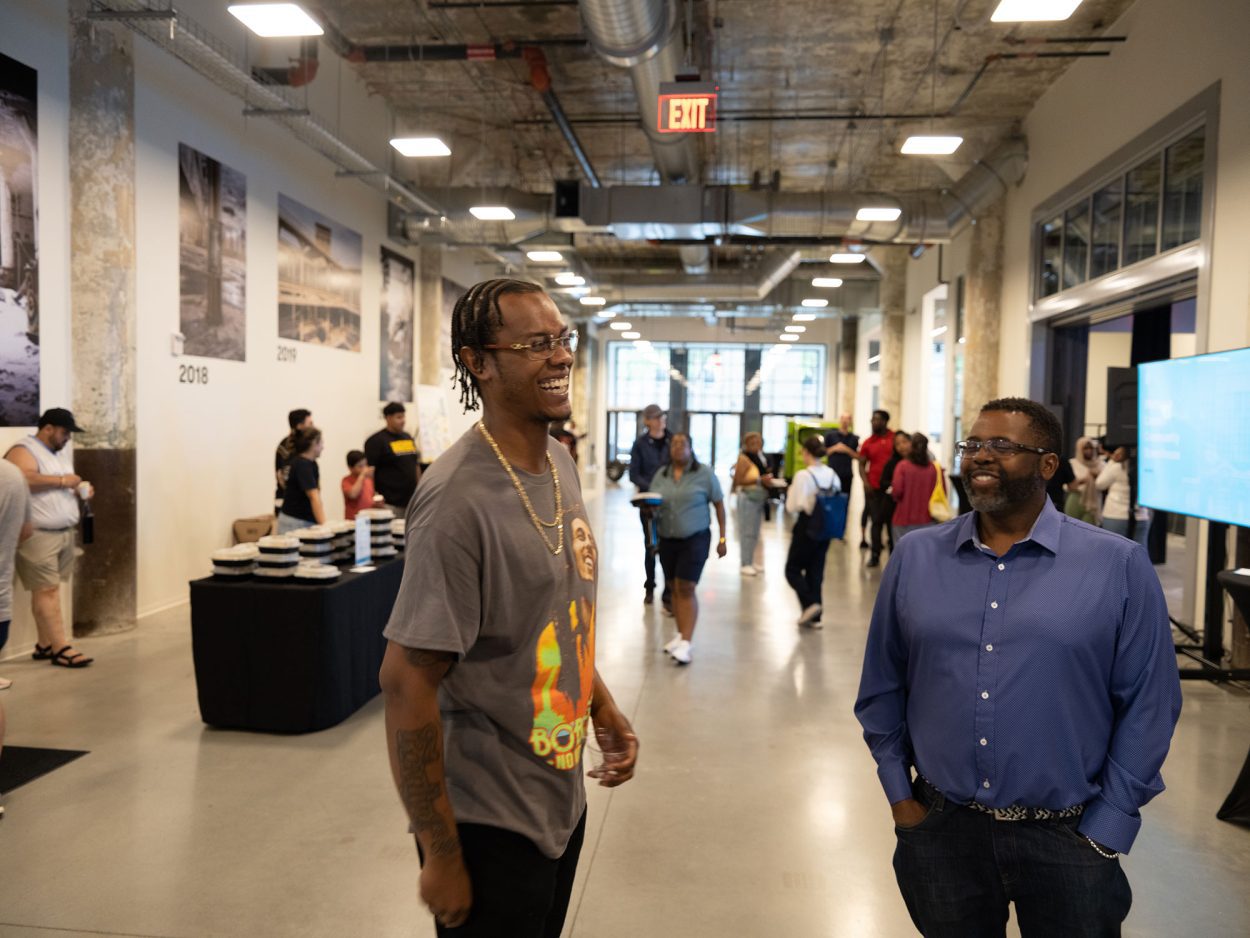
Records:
x=103, y=314
x=8, y=256
x=431, y=353
x=847, y=363
x=893, y=309
x=983, y=311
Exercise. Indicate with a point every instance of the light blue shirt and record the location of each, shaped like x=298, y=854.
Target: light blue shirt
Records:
x=687, y=503
x=1045, y=677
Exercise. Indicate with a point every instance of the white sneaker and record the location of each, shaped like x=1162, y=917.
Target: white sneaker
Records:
x=681, y=652
x=668, y=649
x=810, y=613
x=749, y=570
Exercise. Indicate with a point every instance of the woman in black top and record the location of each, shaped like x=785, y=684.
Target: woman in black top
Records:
x=302, y=506
x=902, y=447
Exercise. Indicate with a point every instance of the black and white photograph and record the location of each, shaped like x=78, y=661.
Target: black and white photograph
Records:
x=319, y=264
x=19, y=251
x=212, y=235
x=398, y=279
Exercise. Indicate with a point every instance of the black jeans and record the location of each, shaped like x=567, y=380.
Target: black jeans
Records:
x=958, y=869
x=652, y=550
x=805, y=564
x=881, y=511
x=518, y=892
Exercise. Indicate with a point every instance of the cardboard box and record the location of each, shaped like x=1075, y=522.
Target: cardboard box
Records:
x=251, y=530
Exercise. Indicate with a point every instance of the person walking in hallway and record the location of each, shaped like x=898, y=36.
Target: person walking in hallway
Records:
x=912, y=486
x=45, y=560
x=690, y=490
x=842, y=447
x=874, y=453
x=750, y=480
x=648, y=455
x=15, y=527
x=902, y=446
x=489, y=675
x=805, y=564
x=1021, y=664
x=392, y=452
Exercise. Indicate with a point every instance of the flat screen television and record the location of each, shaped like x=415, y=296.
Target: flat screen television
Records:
x=1193, y=423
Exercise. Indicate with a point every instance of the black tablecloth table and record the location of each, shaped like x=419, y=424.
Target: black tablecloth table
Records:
x=286, y=657
x=1236, y=806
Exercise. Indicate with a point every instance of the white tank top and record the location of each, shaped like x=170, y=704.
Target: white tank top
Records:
x=51, y=509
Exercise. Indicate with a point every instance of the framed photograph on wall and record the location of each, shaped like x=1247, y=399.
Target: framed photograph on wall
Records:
x=319, y=263
x=19, y=247
x=398, y=307
x=212, y=250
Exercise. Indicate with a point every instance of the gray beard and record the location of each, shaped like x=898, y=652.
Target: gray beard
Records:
x=1010, y=494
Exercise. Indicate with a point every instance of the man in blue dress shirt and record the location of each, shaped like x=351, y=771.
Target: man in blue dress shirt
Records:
x=1022, y=663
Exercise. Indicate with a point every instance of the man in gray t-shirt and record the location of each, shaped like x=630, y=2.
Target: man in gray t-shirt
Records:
x=490, y=678
x=14, y=528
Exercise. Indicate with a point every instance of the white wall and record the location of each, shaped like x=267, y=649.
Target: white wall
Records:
x=1106, y=350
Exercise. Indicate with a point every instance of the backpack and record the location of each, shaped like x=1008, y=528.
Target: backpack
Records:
x=827, y=520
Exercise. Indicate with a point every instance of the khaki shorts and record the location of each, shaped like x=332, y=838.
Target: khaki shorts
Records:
x=46, y=559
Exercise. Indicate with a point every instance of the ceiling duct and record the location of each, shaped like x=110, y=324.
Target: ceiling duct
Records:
x=754, y=286
x=696, y=213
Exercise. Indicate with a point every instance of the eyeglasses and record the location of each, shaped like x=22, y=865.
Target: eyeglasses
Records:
x=998, y=447
x=540, y=349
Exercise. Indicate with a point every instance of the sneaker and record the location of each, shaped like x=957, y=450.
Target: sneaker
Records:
x=815, y=624
x=668, y=649
x=749, y=570
x=681, y=653
x=809, y=614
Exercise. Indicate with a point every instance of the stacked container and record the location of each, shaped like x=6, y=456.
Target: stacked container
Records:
x=235, y=562
x=279, y=556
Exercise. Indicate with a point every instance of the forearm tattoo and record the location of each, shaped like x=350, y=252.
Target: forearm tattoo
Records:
x=420, y=753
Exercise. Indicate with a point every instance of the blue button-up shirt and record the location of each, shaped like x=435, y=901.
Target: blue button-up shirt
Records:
x=687, y=503
x=1045, y=677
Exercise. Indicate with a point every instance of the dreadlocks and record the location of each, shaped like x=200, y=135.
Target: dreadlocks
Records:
x=474, y=323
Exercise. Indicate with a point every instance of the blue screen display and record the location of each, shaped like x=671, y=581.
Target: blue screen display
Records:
x=1193, y=418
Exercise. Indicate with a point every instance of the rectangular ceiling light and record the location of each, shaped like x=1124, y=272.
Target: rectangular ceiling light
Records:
x=274, y=20
x=492, y=212
x=1034, y=11
x=796, y=329
x=593, y=301
x=847, y=258
x=804, y=317
x=827, y=282
x=545, y=257
x=570, y=279
x=621, y=326
x=878, y=213
x=930, y=145
x=421, y=146
x=631, y=335
x=788, y=337
x=816, y=303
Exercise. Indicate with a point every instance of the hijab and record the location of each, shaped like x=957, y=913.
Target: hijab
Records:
x=1086, y=470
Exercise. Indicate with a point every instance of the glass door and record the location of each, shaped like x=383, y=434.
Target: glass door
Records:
x=716, y=440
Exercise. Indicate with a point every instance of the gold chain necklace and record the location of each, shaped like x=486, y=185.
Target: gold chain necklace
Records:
x=539, y=524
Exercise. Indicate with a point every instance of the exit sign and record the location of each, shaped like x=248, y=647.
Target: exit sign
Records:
x=687, y=107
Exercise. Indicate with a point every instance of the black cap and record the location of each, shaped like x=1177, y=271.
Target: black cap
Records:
x=652, y=411
x=394, y=407
x=59, y=417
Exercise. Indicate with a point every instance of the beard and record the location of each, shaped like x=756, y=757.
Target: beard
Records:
x=1009, y=494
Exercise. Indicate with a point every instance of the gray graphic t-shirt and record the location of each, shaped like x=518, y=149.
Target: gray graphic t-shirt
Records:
x=479, y=582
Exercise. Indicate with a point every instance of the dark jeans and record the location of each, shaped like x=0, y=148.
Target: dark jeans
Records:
x=805, y=564
x=958, y=869
x=652, y=551
x=880, y=510
x=518, y=892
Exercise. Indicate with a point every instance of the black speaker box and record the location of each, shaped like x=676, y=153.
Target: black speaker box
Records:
x=1121, y=407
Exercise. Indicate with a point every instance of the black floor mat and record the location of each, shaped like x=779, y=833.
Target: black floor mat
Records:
x=22, y=764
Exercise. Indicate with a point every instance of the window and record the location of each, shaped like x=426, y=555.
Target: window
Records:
x=1052, y=252
x=792, y=380
x=1105, y=250
x=1141, y=210
x=1182, y=192
x=715, y=379
x=638, y=376
x=1075, y=243
x=774, y=432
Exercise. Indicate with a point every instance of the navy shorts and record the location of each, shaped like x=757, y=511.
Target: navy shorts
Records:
x=683, y=557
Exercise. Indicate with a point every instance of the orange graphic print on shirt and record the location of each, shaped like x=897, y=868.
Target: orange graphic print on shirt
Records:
x=560, y=720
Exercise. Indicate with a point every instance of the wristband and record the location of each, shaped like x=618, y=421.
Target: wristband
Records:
x=721, y=541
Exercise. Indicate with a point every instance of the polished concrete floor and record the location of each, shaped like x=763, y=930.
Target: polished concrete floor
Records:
x=756, y=811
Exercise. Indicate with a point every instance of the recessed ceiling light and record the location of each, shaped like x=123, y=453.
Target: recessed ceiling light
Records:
x=421, y=146
x=841, y=258
x=569, y=279
x=545, y=257
x=817, y=303
x=930, y=145
x=274, y=20
x=788, y=337
x=608, y=314
x=492, y=212
x=804, y=317
x=796, y=329
x=827, y=282
x=878, y=213
x=594, y=301
x=621, y=326
x=1034, y=11
x=631, y=335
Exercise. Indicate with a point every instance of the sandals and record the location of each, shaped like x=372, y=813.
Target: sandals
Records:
x=42, y=652
x=67, y=658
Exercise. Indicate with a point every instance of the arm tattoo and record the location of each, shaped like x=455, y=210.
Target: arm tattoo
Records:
x=420, y=751
x=420, y=658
